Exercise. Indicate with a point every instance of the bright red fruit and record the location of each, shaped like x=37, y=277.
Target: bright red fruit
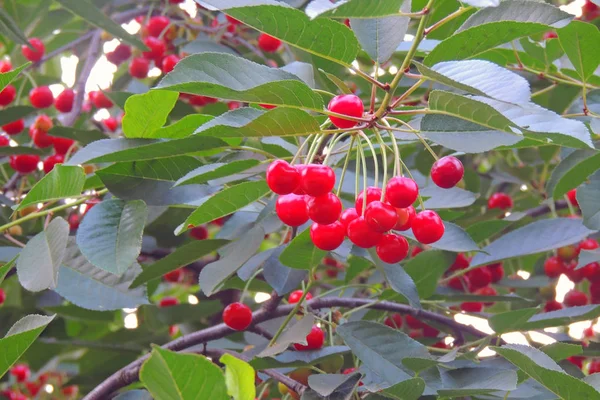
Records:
x=362, y=235
x=41, y=97
x=592, y=272
x=2, y=296
x=62, y=145
x=346, y=104
x=588, y=244
x=401, y=192
x=460, y=262
x=199, y=232
x=487, y=291
x=575, y=298
x=497, y=271
x=415, y=251
x=500, y=200
x=292, y=209
x=233, y=21
x=572, y=196
x=36, y=53
x=282, y=177
x=100, y=99
x=347, y=216
x=120, y=54
x=428, y=227
x=174, y=276
x=447, y=172
x=157, y=48
x=4, y=141
x=157, y=24
x=268, y=43
x=381, y=217
x=576, y=360
x=552, y=305
x=51, y=161
x=594, y=367
x=394, y=321
x=111, y=123
x=392, y=248
x=14, y=128
x=413, y=323
x=169, y=62
x=64, y=101
x=430, y=331
x=324, y=209
x=296, y=295
x=24, y=163
x=405, y=218
x=550, y=35
x=7, y=95
x=373, y=194
x=237, y=316
x=479, y=277
x=314, y=340
x=471, y=306
x=21, y=372
x=460, y=283
x=327, y=237
x=553, y=267
x=168, y=302
x=5, y=66
x=317, y=179
x=139, y=67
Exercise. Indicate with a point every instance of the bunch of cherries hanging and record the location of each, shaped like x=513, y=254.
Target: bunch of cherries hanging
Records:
x=305, y=192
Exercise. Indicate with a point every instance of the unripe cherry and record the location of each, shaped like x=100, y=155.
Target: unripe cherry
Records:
x=405, y=218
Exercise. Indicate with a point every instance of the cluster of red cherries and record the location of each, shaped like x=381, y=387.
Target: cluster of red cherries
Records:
x=26, y=388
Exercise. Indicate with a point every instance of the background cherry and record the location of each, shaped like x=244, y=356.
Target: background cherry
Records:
x=24, y=163
x=14, y=127
x=347, y=104
x=575, y=298
x=401, y=192
x=7, y=95
x=36, y=53
x=347, y=216
x=501, y=201
x=405, y=218
x=237, y=316
x=428, y=227
x=447, y=172
x=51, y=161
x=572, y=196
x=64, y=101
x=296, y=295
x=199, y=232
x=168, y=302
x=41, y=97
x=157, y=24
x=393, y=321
x=314, y=340
x=554, y=266
x=139, y=67
x=169, y=62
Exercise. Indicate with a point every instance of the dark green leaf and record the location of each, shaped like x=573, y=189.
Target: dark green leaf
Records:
x=483, y=230
x=427, y=268
x=301, y=253
x=588, y=256
x=82, y=136
x=163, y=169
x=147, y=112
x=559, y=351
x=63, y=181
x=365, y=9
x=572, y=171
x=398, y=279
x=331, y=386
x=296, y=332
x=529, y=318
x=8, y=77
x=10, y=114
x=209, y=172
x=455, y=239
x=11, y=29
x=206, y=45
x=410, y=389
x=239, y=377
x=477, y=381
x=182, y=128
x=283, y=279
x=6, y=267
x=587, y=197
x=580, y=42
x=380, y=37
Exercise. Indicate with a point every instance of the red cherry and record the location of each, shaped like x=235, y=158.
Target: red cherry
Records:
x=415, y=251
x=428, y=227
x=479, y=277
x=401, y=192
x=5, y=66
x=430, y=331
x=21, y=372
x=347, y=216
x=575, y=298
x=120, y=54
x=552, y=305
x=4, y=141
x=267, y=106
x=282, y=177
x=64, y=101
x=168, y=63
x=41, y=97
x=314, y=340
x=592, y=272
x=292, y=209
x=471, y=306
x=317, y=179
x=51, y=161
x=74, y=220
x=237, y=316
x=373, y=194
x=325, y=209
x=550, y=35
x=296, y=295
x=174, y=276
x=394, y=321
x=487, y=291
x=232, y=20
x=7, y=95
x=2, y=296
x=62, y=145
x=460, y=262
x=43, y=123
x=346, y=104
x=361, y=234
x=327, y=237
x=594, y=367
x=381, y=217
x=111, y=123
x=413, y=323
x=405, y=218
x=460, y=283
x=168, y=302
x=501, y=201
x=554, y=266
x=199, y=232
x=36, y=53
x=24, y=163
x=392, y=248
x=577, y=361
x=233, y=105
x=139, y=67
x=447, y=172
x=14, y=128
x=100, y=99
x=70, y=390
x=572, y=196
x=497, y=271
x=157, y=24
x=157, y=48
x=588, y=244
x=575, y=275
x=268, y=43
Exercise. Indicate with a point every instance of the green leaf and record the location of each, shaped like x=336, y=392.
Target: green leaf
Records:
x=365, y=9
x=170, y=375
x=11, y=29
x=477, y=381
x=181, y=313
x=587, y=197
x=559, y=351
x=537, y=237
x=410, y=389
x=234, y=78
x=239, y=377
x=455, y=239
x=380, y=37
x=9, y=151
x=10, y=114
x=493, y=26
x=427, y=268
x=182, y=128
x=295, y=28
x=580, y=42
x=6, y=267
x=225, y=202
x=281, y=278
x=18, y=339
x=82, y=136
x=544, y=370
x=8, y=77
x=331, y=386
x=63, y=181
x=572, y=171
x=181, y=257
x=39, y=261
x=588, y=256
x=206, y=45
x=90, y=13
x=163, y=169
x=483, y=230
x=209, y=172
x=296, y=332
x=147, y=112
x=301, y=253
x=110, y=235
x=527, y=319
x=382, y=349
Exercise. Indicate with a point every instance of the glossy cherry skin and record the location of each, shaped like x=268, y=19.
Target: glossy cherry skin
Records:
x=282, y=177
x=373, y=194
x=572, y=196
x=5, y=66
x=428, y=227
x=588, y=244
x=327, y=237
x=324, y=209
x=40, y=138
x=554, y=266
x=552, y=305
x=401, y=192
x=346, y=104
x=111, y=123
x=497, y=271
x=237, y=316
x=487, y=291
x=168, y=63
x=7, y=95
x=64, y=101
x=199, y=232
x=157, y=48
x=139, y=67
x=317, y=179
x=268, y=43
x=21, y=372
x=347, y=216
x=460, y=262
x=157, y=24
x=41, y=97
x=591, y=272
x=381, y=217
x=296, y=295
x=100, y=100
x=471, y=306
x=594, y=367
x=501, y=201
x=174, y=276
x=314, y=340
x=361, y=234
x=392, y=248
x=416, y=251
x=292, y=209
x=168, y=302
x=405, y=218
x=62, y=145
x=24, y=163
x=51, y=161
x=447, y=172
x=575, y=298
x=36, y=53
x=394, y=321
x=14, y=128
x=479, y=277
x=2, y=296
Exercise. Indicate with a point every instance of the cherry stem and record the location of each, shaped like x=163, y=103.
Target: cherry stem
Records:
x=395, y=147
x=429, y=149
x=357, y=170
x=407, y=93
x=333, y=143
x=375, y=82
x=448, y=18
x=293, y=312
x=364, y=173
x=373, y=90
x=300, y=148
x=385, y=165
x=374, y=154
x=247, y=285
x=345, y=167
x=571, y=209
